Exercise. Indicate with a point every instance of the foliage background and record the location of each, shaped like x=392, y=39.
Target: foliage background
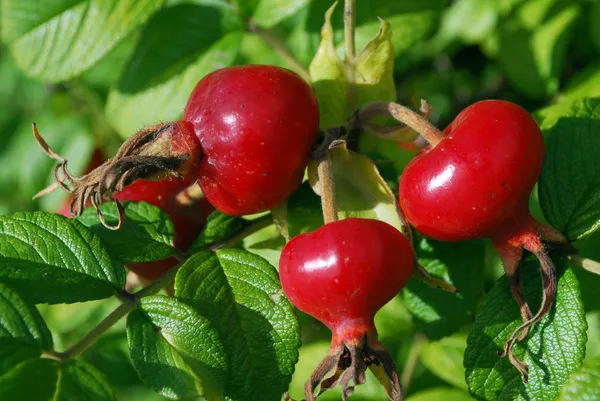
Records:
x=90, y=79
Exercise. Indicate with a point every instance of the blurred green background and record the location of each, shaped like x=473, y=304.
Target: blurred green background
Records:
x=536, y=53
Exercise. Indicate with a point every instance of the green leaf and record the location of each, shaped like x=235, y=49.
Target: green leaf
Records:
x=70, y=380
x=533, y=54
x=583, y=84
x=147, y=234
x=219, y=227
x=360, y=191
x=444, y=358
x=196, y=44
x=569, y=188
x=176, y=349
x=553, y=350
x=440, y=313
x=23, y=332
x=341, y=87
x=437, y=394
x=270, y=12
x=241, y=294
x=58, y=40
x=584, y=384
x=50, y=258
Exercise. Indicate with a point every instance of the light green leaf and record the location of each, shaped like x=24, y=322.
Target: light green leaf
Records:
x=71, y=380
x=359, y=189
x=584, y=384
x=142, y=98
x=440, y=313
x=147, y=234
x=270, y=12
x=438, y=394
x=553, y=350
x=533, y=56
x=569, y=188
x=341, y=87
x=585, y=83
x=161, y=365
x=58, y=40
x=240, y=293
x=444, y=358
x=50, y=258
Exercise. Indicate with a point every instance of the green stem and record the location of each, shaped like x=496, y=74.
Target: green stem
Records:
x=412, y=360
x=349, y=16
x=130, y=301
x=586, y=263
x=325, y=172
x=281, y=50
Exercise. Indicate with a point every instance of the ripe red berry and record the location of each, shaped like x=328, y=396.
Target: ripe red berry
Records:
x=476, y=183
x=245, y=135
x=342, y=274
x=256, y=126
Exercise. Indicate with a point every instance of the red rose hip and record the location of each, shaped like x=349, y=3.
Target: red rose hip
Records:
x=474, y=181
x=342, y=274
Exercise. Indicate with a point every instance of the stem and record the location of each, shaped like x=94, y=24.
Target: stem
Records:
x=406, y=116
x=349, y=15
x=281, y=50
x=130, y=301
x=412, y=360
x=586, y=263
x=327, y=191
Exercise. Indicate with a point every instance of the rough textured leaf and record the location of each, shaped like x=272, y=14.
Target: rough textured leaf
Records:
x=440, y=313
x=341, y=87
x=584, y=384
x=360, y=191
x=241, y=294
x=553, y=350
x=269, y=12
x=50, y=258
x=147, y=233
x=176, y=349
x=71, y=380
x=58, y=40
x=445, y=359
x=188, y=53
x=569, y=187
x=219, y=227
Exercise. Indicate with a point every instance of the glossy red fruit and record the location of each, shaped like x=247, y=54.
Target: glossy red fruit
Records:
x=342, y=274
x=476, y=183
x=188, y=217
x=256, y=126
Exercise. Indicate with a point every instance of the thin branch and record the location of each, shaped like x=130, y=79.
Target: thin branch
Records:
x=328, y=204
x=281, y=50
x=412, y=360
x=586, y=263
x=349, y=16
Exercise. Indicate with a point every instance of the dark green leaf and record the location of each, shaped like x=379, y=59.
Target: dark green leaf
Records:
x=584, y=384
x=47, y=379
x=553, y=350
x=439, y=313
x=150, y=98
x=50, y=258
x=444, y=358
x=58, y=40
x=219, y=227
x=147, y=233
x=569, y=187
x=176, y=350
x=241, y=294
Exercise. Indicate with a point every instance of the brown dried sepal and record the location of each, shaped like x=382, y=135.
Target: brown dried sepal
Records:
x=148, y=154
x=346, y=365
x=511, y=255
